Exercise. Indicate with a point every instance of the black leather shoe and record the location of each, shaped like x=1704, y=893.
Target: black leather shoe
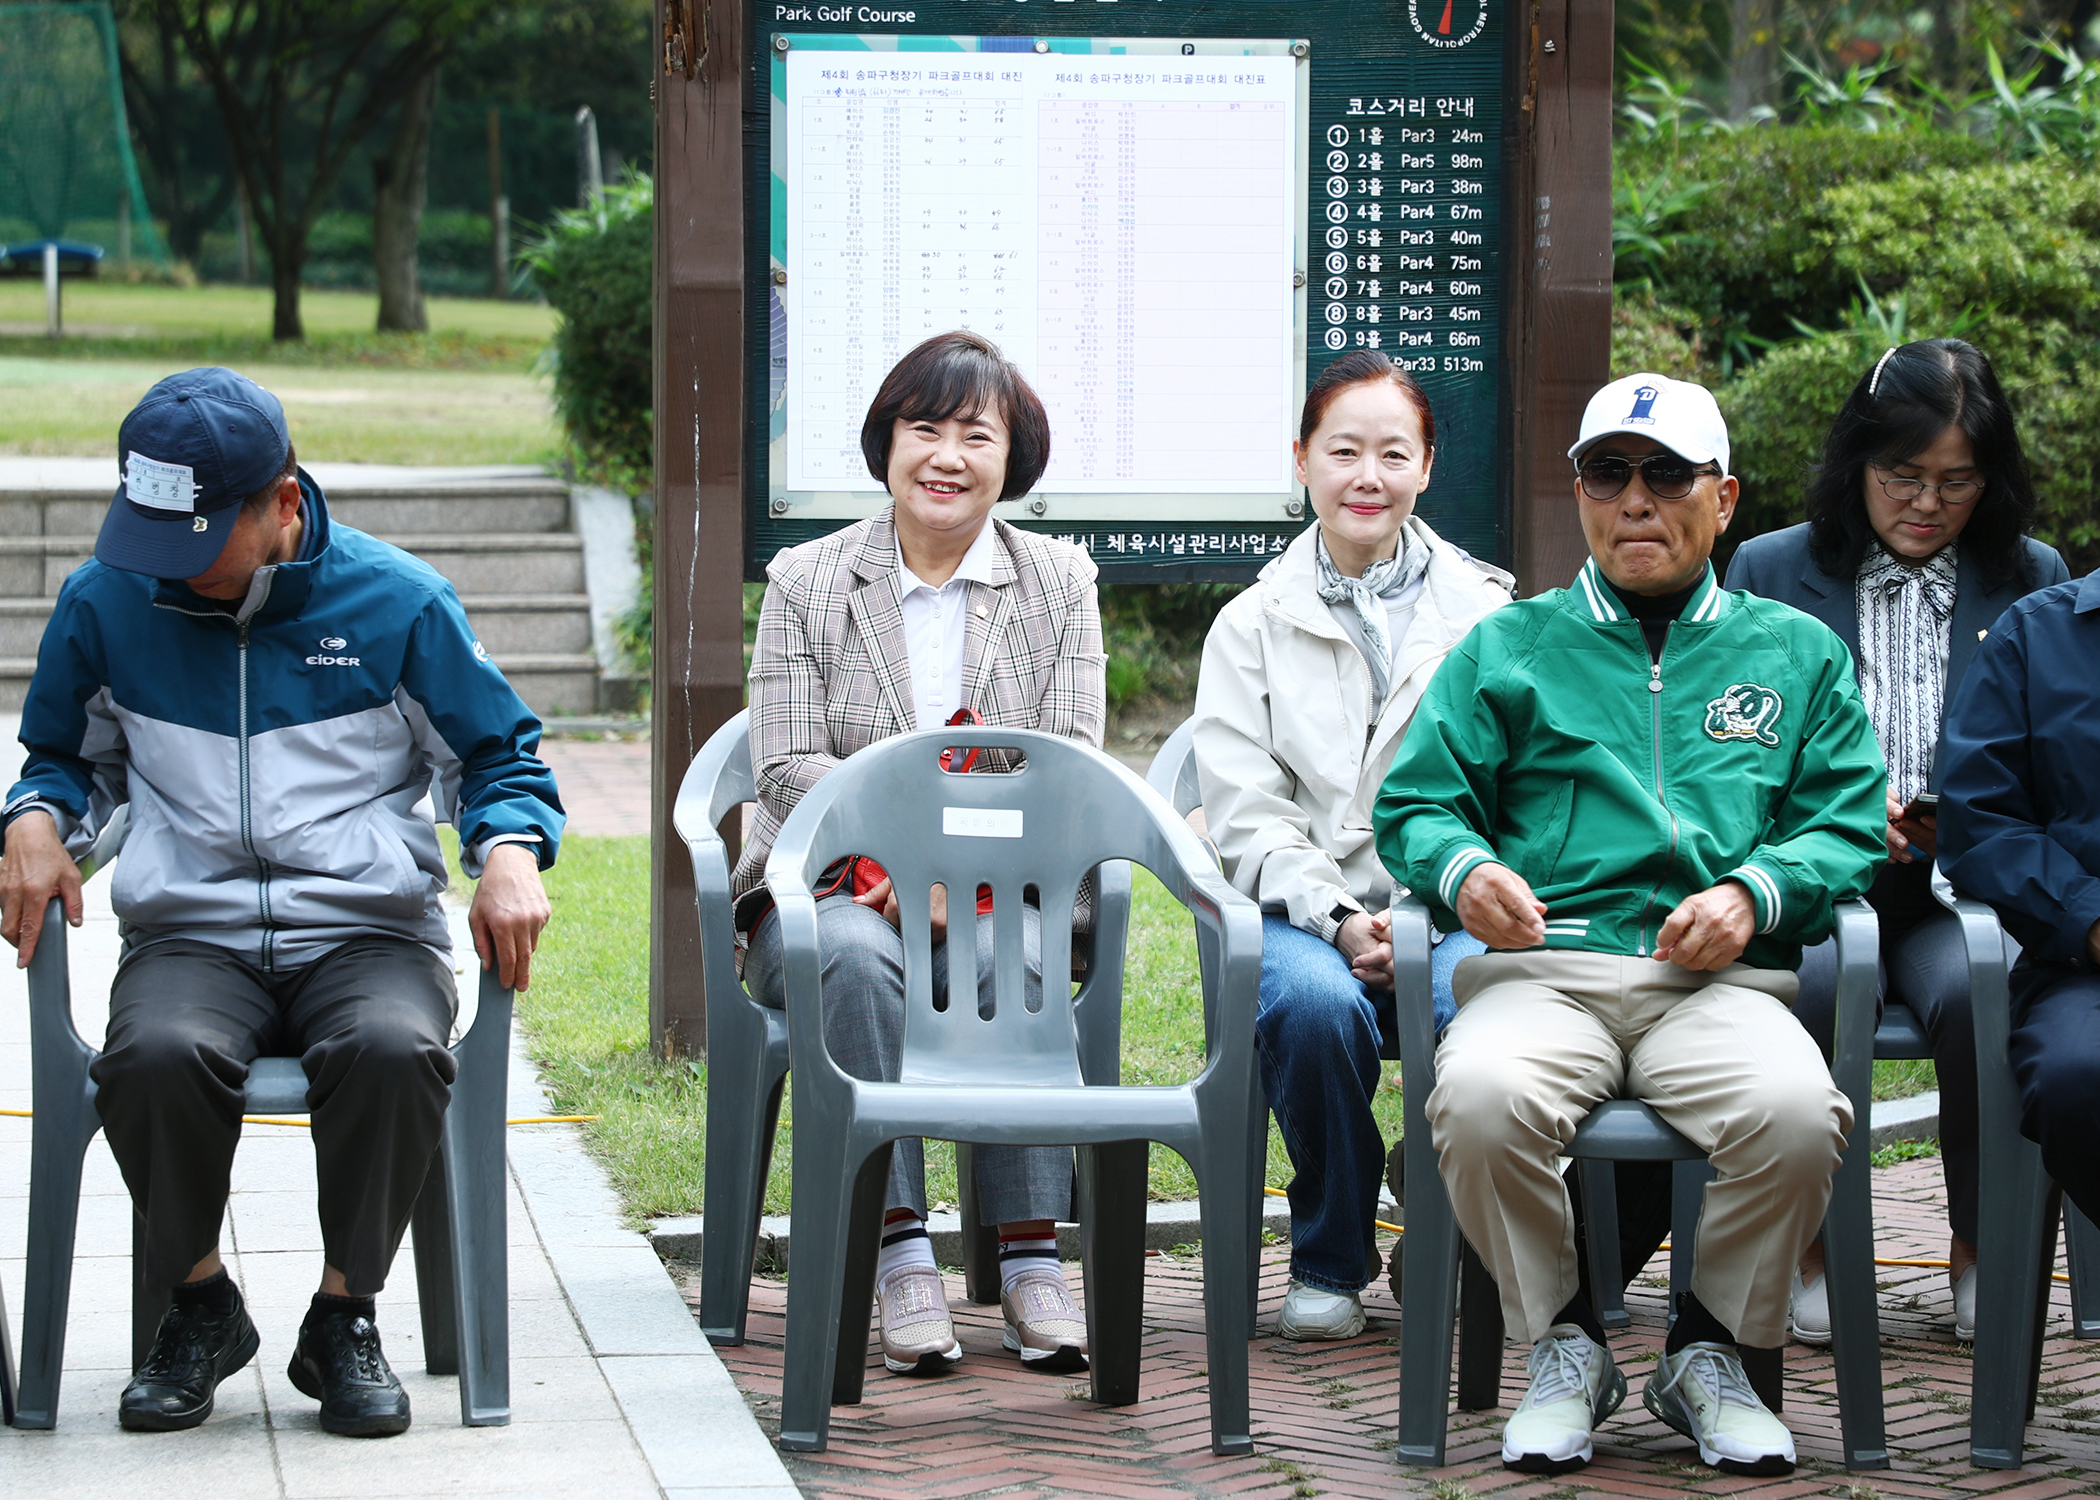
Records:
x=194, y=1350
x=339, y=1363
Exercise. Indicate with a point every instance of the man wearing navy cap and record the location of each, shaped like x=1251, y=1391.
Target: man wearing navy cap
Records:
x=273, y=694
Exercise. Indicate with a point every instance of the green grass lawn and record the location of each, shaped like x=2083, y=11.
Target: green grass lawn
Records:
x=587, y=1022
x=464, y=393
x=73, y=407
x=108, y=318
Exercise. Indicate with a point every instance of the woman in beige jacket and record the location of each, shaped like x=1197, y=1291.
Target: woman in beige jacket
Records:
x=1309, y=680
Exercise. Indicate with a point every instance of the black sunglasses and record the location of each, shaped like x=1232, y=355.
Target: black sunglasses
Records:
x=1667, y=476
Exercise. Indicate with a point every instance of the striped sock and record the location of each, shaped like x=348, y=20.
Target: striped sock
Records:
x=1018, y=1255
x=904, y=1244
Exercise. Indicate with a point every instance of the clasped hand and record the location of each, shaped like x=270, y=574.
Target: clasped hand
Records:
x=1707, y=931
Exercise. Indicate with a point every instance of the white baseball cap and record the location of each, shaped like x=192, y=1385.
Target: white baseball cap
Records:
x=1683, y=417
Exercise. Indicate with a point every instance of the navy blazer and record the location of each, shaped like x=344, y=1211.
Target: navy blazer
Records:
x=2020, y=827
x=1778, y=566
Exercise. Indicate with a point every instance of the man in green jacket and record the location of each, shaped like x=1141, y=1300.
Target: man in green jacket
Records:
x=1644, y=795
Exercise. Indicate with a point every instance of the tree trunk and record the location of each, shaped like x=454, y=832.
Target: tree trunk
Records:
x=400, y=177
x=287, y=261
x=1753, y=55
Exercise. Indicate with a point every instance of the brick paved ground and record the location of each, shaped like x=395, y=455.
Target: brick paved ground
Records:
x=1323, y=1414
x=604, y=784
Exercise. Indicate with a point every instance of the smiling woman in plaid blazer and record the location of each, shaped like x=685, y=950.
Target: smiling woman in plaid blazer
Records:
x=897, y=623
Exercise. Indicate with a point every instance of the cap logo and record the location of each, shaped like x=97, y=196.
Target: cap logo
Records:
x=199, y=523
x=1643, y=405
x=159, y=486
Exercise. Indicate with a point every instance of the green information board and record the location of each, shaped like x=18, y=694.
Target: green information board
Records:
x=1171, y=213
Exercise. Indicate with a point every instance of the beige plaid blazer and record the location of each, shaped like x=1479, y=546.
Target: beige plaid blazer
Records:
x=830, y=675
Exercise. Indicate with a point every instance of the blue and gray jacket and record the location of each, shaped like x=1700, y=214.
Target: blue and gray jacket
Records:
x=274, y=755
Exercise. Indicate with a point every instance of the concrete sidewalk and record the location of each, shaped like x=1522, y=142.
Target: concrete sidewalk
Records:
x=614, y=1393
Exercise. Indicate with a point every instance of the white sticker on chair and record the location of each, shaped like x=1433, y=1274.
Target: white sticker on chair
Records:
x=981, y=822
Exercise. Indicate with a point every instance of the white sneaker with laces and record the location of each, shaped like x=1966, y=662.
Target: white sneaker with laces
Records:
x=1702, y=1392
x=1809, y=1310
x=1965, y=1306
x=1575, y=1384
x=1310, y=1313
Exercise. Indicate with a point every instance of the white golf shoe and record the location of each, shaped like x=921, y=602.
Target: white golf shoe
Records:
x=1311, y=1314
x=1575, y=1384
x=1808, y=1310
x=1702, y=1392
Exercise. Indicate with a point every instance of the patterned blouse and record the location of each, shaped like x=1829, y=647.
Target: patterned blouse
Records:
x=1904, y=613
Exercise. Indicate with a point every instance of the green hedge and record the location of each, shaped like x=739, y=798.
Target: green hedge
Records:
x=2007, y=257
x=1748, y=255
x=594, y=267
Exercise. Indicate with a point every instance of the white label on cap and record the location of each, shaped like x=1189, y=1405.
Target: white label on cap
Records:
x=148, y=481
x=981, y=822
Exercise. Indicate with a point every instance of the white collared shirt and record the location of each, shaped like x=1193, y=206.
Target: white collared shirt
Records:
x=936, y=630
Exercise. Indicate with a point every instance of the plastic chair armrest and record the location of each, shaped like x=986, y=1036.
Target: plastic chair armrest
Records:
x=1411, y=992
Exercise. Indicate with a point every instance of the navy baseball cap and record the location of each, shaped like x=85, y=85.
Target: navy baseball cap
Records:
x=196, y=446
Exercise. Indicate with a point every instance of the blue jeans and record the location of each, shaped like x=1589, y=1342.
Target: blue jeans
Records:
x=1316, y=1034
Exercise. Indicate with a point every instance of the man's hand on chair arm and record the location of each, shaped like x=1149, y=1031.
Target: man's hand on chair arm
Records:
x=35, y=869
x=510, y=909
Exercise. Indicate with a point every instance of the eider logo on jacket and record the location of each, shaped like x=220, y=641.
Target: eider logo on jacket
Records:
x=330, y=644
x=1746, y=711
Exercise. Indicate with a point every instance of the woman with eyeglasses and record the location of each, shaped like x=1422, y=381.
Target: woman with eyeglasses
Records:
x=1915, y=543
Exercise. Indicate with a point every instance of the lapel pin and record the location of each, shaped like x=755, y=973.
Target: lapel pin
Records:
x=1981, y=634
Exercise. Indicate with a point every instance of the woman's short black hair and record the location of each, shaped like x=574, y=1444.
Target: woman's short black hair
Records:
x=960, y=374
x=1923, y=389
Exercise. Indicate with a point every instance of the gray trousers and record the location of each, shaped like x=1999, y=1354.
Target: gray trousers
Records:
x=369, y=1022
x=863, y=980
x=1925, y=965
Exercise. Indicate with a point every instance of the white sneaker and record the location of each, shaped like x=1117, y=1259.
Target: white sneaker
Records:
x=1310, y=1313
x=1702, y=1392
x=1575, y=1384
x=1965, y=1306
x=1809, y=1310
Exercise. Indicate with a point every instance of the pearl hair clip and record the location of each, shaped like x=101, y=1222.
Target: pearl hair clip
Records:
x=1874, y=385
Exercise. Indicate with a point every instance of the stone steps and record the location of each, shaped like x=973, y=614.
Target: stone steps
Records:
x=508, y=544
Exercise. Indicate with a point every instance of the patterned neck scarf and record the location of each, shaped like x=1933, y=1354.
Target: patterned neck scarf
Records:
x=1904, y=617
x=1382, y=580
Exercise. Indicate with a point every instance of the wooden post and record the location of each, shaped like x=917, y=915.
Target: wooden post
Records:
x=1560, y=344
x=699, y=356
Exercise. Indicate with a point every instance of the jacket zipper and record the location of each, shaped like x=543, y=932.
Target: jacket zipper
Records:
x=1655, y=719
x=262, y=866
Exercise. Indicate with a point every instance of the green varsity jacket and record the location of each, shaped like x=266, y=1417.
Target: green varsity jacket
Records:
x=1617, y=787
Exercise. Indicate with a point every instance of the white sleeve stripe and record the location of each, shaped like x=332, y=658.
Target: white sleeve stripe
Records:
x=1446, y=885
x=1765, y=888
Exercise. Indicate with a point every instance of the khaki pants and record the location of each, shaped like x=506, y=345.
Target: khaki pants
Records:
x=1544, y=1036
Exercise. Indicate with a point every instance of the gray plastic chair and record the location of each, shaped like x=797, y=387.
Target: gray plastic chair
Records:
x=460, y=1219
x=1016, y=1077
x=747, y=1046
x=1625, y=1130
x=2017, y=1208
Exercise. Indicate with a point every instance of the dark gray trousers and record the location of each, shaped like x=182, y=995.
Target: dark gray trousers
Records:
x=1925, y=965
x=863, y=980
x=368, y=1021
